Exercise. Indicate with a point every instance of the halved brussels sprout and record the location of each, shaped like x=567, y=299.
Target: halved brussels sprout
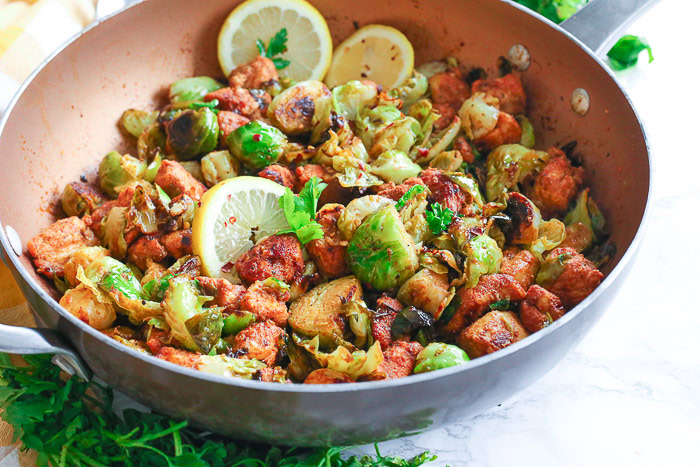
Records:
x=141, y=214
x=411, y=90
x=413, y=215
x=293, y=110
x=479, y=115
x=151, y=142
x=181, y=209
x=426, y=290
x=353, y=172
x=236, y=322
x=79, y=199
x=352, y=98
x=89, y=304
x=341, y=143
x=381, y=253
x=509, y=165
x=371, y=120
x=223, y=365
x=400, y=135
x=113, y=232
x=116, y=170
x=357, y=210
x=194, y=168
x=437, y=356
x=426, y=116
x=528, y=137
x=483, y=257
x=447, y=161
x=135, y=121
x=83, y=257
x=257, y=144
x=394, y=166
x=192, y=133
x=524, y=220
x=469, y=185
x=358, y=364
x=193, y=89
x=550, y=235
x=360, y=321
x=218, y=166
x=429, y=69
x=437, y=143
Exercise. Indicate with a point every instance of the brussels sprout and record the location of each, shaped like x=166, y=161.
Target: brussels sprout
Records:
x=222, y=365
x=586, y=211
x=153, y=168
x=437, y=356
x=413, y=216
x=381, y=252
x=601, y=254
x=195, y=328
x=193, y=89
x=469, y=185
x=236, y=322
x=83, y=257
x=411, y=90
x=341, y=143
x=523, y=220
x=432, y=68
x=358, y=364
x=135, y=121
x=371, y=120
x=89, y=305
x=550, y=235
x=483, y=257
x=426, y=116
x=359, y=319
x=293, y=110
x=353, y=172
x=218, y=166
x=510, y=164
x=447, y=161
x=552, y=267
x=528, y=136
x=437, y=143
x=395, y=166
x=318, y=312
x=151, y=142
x=357, y=210
x=257, y=144
x=479, y=115
x=142, y=213
x=79, y=199
x=400, y=135
x=301, y=362
x=116, y=170
x=426, y=290
x=194, y=168
x=113, y=232
x=192, y=133
x=352, y=98
x=408, y=321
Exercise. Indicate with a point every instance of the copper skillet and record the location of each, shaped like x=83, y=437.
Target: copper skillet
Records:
x=63, y=121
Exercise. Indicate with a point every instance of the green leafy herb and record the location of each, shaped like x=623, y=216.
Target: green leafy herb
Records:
x=300, y=211
x=502, y=305
x=625, y=52
x=554, y=10
x=438, y=218
x=413, y=191
x=212, y=104
x=69, y=426
x=277, y=45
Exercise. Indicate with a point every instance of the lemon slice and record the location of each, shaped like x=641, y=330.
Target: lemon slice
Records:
x=231, y=217
x=375, y=52
x=309, y=43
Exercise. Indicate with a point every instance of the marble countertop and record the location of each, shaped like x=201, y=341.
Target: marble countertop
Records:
x=630, y=393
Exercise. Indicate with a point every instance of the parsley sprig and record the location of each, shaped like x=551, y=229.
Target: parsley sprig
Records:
x=276, y=46
x=300, y=211
x=438, y=218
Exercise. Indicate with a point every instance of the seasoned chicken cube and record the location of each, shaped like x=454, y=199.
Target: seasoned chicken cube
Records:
x=399, y=359
x=393, y=191
x=254, y=74
x=383, y=318
x=474, y=302
x=507, y=131
x=556, y=185
x=228, y=123
x=494, y=331
x=326, y=376
x=449, y=91
x=277, y=256
x=334, y=192
x=445, y=191
x=329, y=252
x=238, y=100
x=508, y=90
x=540, y=309
x=178, y=243
x=175, y=180
x=266, y=303
x=53, y=247
x=226, y=295
x=259, y=341
x=521, y=264
x=579, y=277
x=465, y=150
x=279, y=174
x=146, y=248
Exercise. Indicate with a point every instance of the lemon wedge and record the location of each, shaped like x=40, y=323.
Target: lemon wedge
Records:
x=231, y=217
x=375, y=52
x=309, y=43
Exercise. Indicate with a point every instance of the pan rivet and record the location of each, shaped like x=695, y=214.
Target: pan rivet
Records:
x=519, y=57
x=13, y=238
x=580, y=101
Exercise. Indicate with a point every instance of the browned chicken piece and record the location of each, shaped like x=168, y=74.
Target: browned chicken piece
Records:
x=383, y=318
x=507, y=131
x=228, y=123
x=178, y=243
x=556, y=185
x=329, y=252
x=579, y=278
x=175, y=180
x=393, y=191
x=277, y=256
x=52, y=248
x=254, y=74
x=465, y=150
x=226, y=295
x=126, y=194
x=449, y=91
x=326, y=376
x=522, y=265
x=494, y=331
x=445, y=191
x=259, y=341
x=334, y=192
x=157, y=339
x=578, y=237
x=399, y=359
x=238, y=100
x=508, y=90
x=269, y=375
x=279, y=174
x=145, y=248
x=540, y=309
x=266, y=303
x=179, y=357
x=474, y=302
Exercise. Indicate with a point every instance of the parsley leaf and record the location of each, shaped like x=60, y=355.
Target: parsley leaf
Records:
x=625, y=52
x=502, y=305
x=300, y=211
x=413, y=191
x=554, y=10
x=438, y=218
x=277, y=46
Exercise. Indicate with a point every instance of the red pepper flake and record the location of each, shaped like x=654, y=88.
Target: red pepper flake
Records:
x=232, y=220
x=423, y=152
x=257, y=137
x=226, y=268
x=199, y=204
x=229, y=197
x=225, y=224
x=389, y=252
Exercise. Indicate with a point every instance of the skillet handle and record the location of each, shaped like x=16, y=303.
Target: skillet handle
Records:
x=19, y=340
x=601, y=22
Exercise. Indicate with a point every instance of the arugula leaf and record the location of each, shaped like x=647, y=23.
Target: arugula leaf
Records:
x=300, y=211
x=413, y=191
x=625, y=53
x=438, y=218
x=277, y=45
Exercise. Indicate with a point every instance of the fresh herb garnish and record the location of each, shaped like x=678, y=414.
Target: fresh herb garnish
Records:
x=67, y=425
x=438, y=218
x=625, y=52
x=300, y=211
x=502, y=305
x=277, y=45
x=554, y=10
x=413, y=191
x=212, y=104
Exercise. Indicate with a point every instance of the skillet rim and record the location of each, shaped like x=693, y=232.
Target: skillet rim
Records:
x=18, y=269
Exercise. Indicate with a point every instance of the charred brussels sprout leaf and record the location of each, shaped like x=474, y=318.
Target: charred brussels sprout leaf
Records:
x=483, y=257
x=360, y=322
x=410, y=320
x=586, y=211
x=236, y=322
x=151, y=143
x=192, y=133
x=113, y=232
x=381, y=252
x=367, y=125
x=218, y=166
x=79, y=199
x=193, y=89
x=510, y=164
x=438, y=355
x=135, y=121
x=352, y=98
x=257, y=144
x=399, y=135
x=116, y=170
x=205, y=329
x=354, y=364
